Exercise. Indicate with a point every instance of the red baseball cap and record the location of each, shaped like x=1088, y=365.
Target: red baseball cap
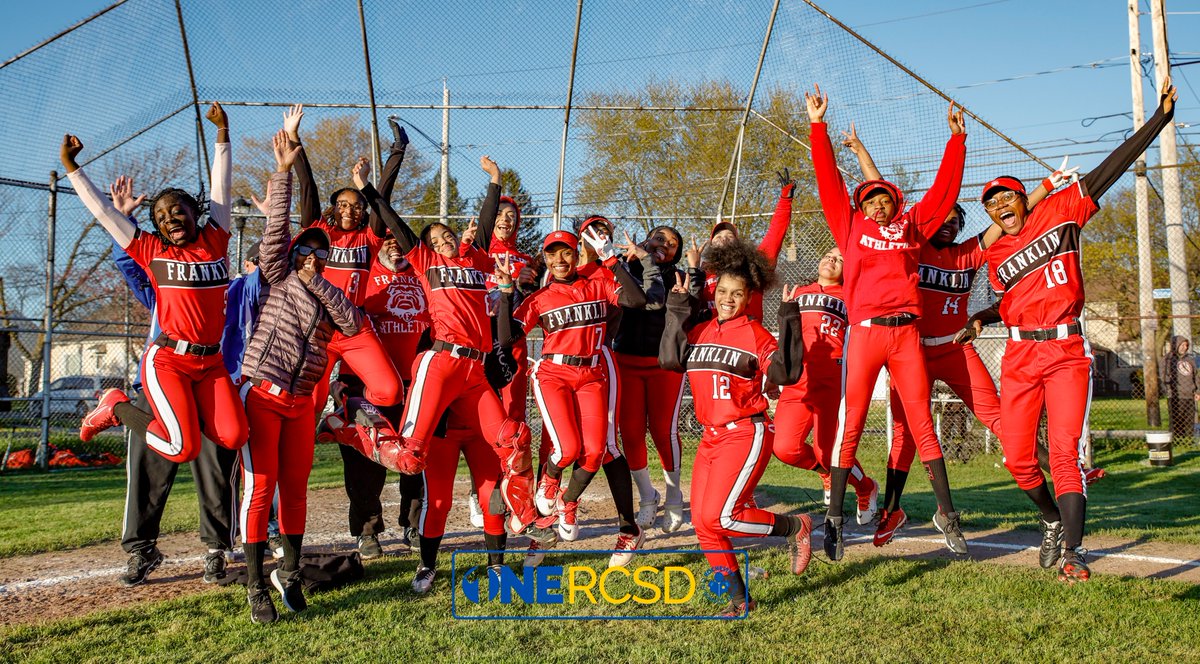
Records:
x=723, y=226
x=561, y=237
x=596, y=219
x=1002, y=182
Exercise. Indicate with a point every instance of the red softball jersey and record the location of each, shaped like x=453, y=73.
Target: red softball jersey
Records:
x=351, y=254
x=189, y=281
x=880, y=262
x=822, y=321
x=726, y=363
x=573, y=315
x=396, y=303
x=1037, y=271
x=500, y=250
x=770, y=246
x=456, y=289
x=946, y=279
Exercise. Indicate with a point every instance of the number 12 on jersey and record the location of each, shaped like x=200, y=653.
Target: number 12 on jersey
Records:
x=720, y=387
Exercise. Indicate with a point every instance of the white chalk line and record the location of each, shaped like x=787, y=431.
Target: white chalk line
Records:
x=1097, y=553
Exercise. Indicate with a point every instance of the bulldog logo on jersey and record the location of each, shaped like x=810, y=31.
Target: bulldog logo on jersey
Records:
x=405, y=302
x=895, y=230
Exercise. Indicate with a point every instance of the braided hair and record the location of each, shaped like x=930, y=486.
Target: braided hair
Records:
x=186, y=199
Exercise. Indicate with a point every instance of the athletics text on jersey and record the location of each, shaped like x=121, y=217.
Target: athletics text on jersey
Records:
x=396, y=303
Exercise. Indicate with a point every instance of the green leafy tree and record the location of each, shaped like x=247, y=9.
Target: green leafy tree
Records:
x=430, y=199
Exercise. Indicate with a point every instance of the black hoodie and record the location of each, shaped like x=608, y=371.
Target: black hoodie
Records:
x=1178, y=371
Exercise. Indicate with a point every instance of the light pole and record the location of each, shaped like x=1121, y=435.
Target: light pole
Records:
x=240, y=209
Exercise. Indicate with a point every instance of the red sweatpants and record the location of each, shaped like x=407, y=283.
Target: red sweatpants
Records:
x=612, y=448
x=280, y=451
x=515, y=396
x=184, y=390
x=574, y=404
x=367, y=359
x=960, y=368
x=650, y=399
x=443, y=381
x=810, y=405
x=1029, y=371
x=442, y=463
x=729, y=464
x=868, y=350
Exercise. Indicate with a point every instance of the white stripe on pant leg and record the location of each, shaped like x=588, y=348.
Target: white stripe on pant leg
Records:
x=610, y=368
x=166, y=416
x=247, y=488
x=234, y=504
x=415, y=393
x=128, y=482
x=556, y=452
x=836, y=458
x=676, y=448
x=1087, y=411
x=424, y=504
x=727, y=520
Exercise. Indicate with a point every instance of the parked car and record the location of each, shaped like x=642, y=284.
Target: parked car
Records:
x=75, y=395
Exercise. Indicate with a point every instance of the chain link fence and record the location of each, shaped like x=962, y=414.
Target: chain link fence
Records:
x=676, y=113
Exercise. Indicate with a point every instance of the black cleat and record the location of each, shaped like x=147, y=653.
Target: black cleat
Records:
x=1051, y=549
x=834, y=546
x=214, y=566
x=1072, y=568
x=947, y=524
x=290, y=590
x=141, y=563
x=262, y=609
x=368, y=547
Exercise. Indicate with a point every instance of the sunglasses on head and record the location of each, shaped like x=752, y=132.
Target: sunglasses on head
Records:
x=305, y=250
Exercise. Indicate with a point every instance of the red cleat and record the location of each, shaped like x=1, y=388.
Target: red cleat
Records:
x=102, y=416
x=1093, y=475
x=738, y=609
x=800, y=548
x=889, y=524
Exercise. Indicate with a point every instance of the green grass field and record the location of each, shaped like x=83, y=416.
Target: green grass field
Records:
x=1123, y=413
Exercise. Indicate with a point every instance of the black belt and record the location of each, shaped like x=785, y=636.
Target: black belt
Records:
x=1048, y=333
x=898, y=320
x=186, y=348
x=459, y=351
x=574, y=360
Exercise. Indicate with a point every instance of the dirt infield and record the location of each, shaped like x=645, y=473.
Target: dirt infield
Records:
x=49, y=586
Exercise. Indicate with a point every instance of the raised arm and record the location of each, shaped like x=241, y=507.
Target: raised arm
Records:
x=222, y=169
x=630, y=294
x=1098, y=181
x=274, y=262
x=310, y=198
x=831, y=188
x=387, y=178
x=491, y=204
x=936, y=204
x=865, y=163
x=652, y=294
x=404, y=235
x=118, y=225
x=349, y=318
x=121, y=193
x=772, y=242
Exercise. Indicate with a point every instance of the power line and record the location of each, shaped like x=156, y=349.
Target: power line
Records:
x=944, y=11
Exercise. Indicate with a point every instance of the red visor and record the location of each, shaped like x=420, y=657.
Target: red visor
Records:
x=561, y=237
x=1002, y=182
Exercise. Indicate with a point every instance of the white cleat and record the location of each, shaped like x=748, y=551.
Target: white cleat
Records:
x=423, y=581
x=626, y=546
x=536, y=553
x=868, y=508
x=648, y=511
x=476, y=511
x=568, y=526
x=546, y=498
x=672, y=517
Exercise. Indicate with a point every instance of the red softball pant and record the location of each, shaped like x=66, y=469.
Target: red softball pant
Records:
x=960, y=368
x=650, y=398
x=729, y=464
x=574, y=402
x=366, y=358
x=441, y=466
x=183, y=391
x=612, y=448
x=1029, y=371
x=515, y=396
x=443, y=381
x=810, y=405
x=280, y=452
x=868, y=350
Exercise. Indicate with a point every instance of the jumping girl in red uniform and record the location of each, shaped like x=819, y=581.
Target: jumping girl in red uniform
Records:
x=570, y=381
x=726, y=359
x=880, y=241
x=283, y=362
x=811, y=405
x=1035, y=267
x=184, y=375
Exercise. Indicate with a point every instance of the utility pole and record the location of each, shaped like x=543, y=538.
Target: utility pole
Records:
x=1149, y=321
x=444, y=204
x=1181, y=310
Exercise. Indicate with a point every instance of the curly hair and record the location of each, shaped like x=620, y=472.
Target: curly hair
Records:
x=742, y=260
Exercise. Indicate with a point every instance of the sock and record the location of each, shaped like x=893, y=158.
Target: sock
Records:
x=858, y=479
x=133, y=417
x=837, y=490
x=644, y=485
x=786, y=525
x=254, y=565
x=894, y=488
x=1040, y=495
x=1043, y=457
x=1073, y=507
x=580, y=479
x=429, y=551
x=620, y=483
x=291, y=553
x=737, y=590
x=941, y=484
x=674, y=493
x=494, y=543
x=553, y=471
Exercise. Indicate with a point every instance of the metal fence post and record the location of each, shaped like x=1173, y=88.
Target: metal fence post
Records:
x=562, y=155
x=43, y=450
